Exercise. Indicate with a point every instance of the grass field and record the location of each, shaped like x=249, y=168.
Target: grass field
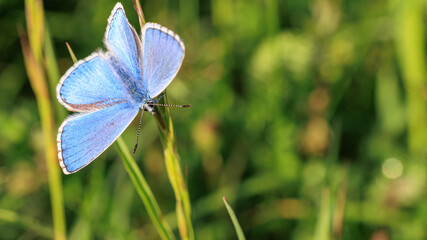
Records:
x=309, y=117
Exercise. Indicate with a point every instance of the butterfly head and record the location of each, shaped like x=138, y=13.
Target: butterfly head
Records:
x=147, y=105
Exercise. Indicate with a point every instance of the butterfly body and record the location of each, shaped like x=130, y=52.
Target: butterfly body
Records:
x=107, y=89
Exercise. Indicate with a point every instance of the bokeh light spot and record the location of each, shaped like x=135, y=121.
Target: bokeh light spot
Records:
x=392, y=168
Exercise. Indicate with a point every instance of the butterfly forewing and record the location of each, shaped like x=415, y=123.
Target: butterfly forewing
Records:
x=91, y=84
x=123, y=42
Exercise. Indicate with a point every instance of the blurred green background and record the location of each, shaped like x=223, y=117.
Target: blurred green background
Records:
x=309, y=116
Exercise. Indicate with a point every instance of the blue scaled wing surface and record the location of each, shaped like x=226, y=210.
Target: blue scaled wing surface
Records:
x=94, y=89
x=89, y=85
x=162, y=54
x=124, y=44
x=83, y=137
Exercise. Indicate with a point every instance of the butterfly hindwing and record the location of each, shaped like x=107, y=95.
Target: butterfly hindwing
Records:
x=163, y=52
x=83, y=137
x=90, y=85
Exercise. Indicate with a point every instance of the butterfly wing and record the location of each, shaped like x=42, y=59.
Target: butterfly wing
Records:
x=123, y=41
x=163, y=52
x=91, y=84
x=83, y=137
x=93, y=87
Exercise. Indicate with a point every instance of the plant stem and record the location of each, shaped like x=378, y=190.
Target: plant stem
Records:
x=410, y=45
x=237, y=227
x=33, y=55
x=144, y=191
x=183, y=206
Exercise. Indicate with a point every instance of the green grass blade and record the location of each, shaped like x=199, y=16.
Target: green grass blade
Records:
x=138, y=9
x=239, y=231
x=173, y=168
x=410, y=44
x=73, y=57
x=38, y=84
x=323, y=225
x=32, y=48
x=144, y=191
x=52, y=72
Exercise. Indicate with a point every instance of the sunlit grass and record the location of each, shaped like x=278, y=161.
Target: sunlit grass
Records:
x=239, y=231
x=174, y=170
x=144, y=191
x=36, y=54
x=410, y=39
x=172, y=159
x=297, y=108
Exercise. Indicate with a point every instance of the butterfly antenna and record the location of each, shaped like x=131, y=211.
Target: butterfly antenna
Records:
x=137, y=135
x=169, y=105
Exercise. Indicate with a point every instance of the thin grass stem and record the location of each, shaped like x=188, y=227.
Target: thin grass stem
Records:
x=239, y=231
x=144, y=191
x=33, y=55
x=173, y=168
x=52, y=73
x=410, y=44
x=164, y=123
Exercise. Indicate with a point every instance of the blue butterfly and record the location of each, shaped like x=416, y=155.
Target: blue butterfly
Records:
x=109, y=88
